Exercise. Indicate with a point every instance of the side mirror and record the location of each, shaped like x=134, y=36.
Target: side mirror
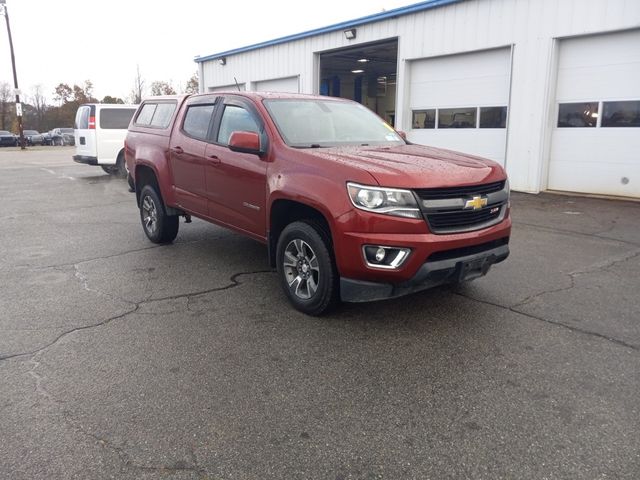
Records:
x=246, y=142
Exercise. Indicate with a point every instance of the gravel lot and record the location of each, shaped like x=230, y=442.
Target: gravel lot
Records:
x=123, y=359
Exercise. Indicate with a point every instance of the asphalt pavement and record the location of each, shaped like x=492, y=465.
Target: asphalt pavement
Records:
x=127, y=360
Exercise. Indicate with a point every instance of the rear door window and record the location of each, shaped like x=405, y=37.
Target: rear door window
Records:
x=116, y=118
x=197, y=121
x=163, y=114
x=82, y=118
x=146, y=114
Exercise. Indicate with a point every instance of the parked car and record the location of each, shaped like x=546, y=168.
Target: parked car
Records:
x=33, y=137
x=347, y=208
x=47, y=138
x=99, y=134
x=8, y=139
x=62, y=136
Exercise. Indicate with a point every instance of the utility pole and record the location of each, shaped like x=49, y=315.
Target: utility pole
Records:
x=3, y=7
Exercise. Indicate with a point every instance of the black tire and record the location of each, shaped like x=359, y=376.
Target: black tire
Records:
x=107, y=169
x=157, y=225
x=306, y=267
x=131, y=183
x=120, y=168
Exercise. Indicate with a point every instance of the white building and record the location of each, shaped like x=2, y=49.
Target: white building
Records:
x=548, y=88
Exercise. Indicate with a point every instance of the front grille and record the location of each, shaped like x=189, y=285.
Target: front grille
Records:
x=445, y=212
x=463, y=218
x=459, y=192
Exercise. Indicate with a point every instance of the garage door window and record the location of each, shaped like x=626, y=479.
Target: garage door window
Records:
x=621, y=114
x=424, y=118
x=493, y=117
x=576, y=115
x=457, y=117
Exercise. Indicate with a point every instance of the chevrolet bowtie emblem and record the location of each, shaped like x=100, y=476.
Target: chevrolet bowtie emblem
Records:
x=476, y=203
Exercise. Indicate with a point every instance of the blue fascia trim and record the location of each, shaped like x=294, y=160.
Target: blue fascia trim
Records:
x=376, y=17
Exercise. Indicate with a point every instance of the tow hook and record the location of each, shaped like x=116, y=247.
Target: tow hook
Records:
x=187, y=218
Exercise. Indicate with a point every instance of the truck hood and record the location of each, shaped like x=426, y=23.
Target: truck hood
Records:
x=414, y=166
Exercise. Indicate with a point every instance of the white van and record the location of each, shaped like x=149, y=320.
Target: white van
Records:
x=99, y=131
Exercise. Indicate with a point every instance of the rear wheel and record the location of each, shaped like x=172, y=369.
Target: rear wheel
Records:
x=306, y=267
x=157, y=225
x=120, y=168
x=107, y=169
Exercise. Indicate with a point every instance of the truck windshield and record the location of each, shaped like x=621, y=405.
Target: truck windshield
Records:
x=316, y=123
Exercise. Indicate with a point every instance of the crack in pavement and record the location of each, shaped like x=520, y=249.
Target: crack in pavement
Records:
x=34, y=361
x=127, y=461
x=135, y=307
x=572, y=276
x=598, y=267
x=120, y=254
x=124, y=457
x=574, y=232
x=552, y=322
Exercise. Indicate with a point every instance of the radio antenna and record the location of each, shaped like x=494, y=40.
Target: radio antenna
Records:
x=237, y=84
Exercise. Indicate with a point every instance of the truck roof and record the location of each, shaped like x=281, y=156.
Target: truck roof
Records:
x=254, y=95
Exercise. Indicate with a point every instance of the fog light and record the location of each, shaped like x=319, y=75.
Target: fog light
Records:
x=380, y=256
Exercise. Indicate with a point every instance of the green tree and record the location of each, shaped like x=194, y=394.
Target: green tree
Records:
x=162, y=88
x=110, y=99
x=193, y=84
x=5, y=104
x=63, y=93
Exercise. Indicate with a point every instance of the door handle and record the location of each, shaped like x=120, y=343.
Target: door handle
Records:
x=177, y=150
x=214, y=159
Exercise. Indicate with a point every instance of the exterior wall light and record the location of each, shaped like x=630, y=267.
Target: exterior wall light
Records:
x=350, y=34
x=222, y=61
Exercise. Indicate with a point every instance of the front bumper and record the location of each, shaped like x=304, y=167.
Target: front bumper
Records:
x=430, y=274
x=85, y=159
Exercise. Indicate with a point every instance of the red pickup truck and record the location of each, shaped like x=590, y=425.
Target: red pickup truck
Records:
x=349, y=210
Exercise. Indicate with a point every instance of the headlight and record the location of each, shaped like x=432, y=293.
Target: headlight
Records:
x=388, y=201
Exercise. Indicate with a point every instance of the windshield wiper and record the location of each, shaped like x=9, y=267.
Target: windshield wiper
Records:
x=313, y=145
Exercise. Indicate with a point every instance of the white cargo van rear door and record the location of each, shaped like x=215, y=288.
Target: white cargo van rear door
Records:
x=84, y=131
x=112, y=124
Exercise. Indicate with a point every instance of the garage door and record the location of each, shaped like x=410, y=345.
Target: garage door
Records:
x=228, y=88
x=289, y=85
x=595, y=141
x=461, y=102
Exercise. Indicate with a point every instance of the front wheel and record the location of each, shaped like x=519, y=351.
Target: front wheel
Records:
x=157, y=225
x=306, y=267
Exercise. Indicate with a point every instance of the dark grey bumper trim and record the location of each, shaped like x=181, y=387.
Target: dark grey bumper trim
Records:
x=431, y=274
x=85, y=159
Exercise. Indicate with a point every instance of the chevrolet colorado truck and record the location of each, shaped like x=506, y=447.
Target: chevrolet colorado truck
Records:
x=348, y=209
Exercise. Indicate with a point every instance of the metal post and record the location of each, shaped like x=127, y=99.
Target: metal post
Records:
x=15, y=76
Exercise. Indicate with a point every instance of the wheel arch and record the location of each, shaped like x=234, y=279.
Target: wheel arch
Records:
x=146, y=175
x=284, y=211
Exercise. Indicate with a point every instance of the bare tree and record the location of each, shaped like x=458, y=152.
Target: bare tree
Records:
x=138, y=87
x=5, y=100
x=39, y=104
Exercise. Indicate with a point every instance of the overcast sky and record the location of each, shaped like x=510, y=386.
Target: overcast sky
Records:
x=70, y=41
